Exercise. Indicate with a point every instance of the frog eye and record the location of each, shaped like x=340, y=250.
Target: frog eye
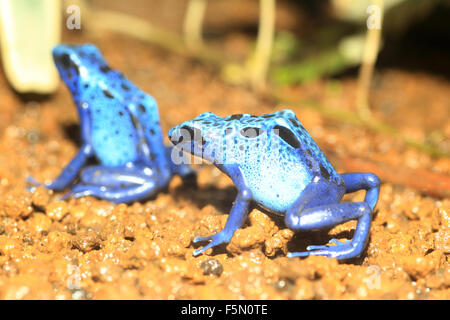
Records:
x=105, y=68
x=251, y=132
x=287, y=135
x=65, y=61
x=193, y=133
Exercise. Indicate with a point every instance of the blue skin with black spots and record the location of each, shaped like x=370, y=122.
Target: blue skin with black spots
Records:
x=275, y=163
x=119, y=126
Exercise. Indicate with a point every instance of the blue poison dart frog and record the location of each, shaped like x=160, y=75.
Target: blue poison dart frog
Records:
x=119, y=126
x=275, y=164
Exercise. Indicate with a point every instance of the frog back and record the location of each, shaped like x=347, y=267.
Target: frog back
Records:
x=112, y=129
x=279, y=159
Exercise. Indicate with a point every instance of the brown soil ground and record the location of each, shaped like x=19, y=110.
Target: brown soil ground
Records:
x=91, y=249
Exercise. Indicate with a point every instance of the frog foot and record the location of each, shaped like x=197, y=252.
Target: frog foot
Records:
x=215, y=239
x=76, y=192
x=339, y=250
x=34, y=184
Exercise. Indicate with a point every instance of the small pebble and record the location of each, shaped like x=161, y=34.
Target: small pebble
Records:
x=212, y=267
x=87, y=241
x=79, y=294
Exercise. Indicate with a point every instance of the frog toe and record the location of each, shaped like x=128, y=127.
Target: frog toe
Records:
x=202, y=239
x=327, y=246
x=215, y=239
x=320, y=247
x=339, y=251
x=201, y=250
x=76, y=192
x=337, y=242
x=34, y=182
x=298, y=254
x=318, y=252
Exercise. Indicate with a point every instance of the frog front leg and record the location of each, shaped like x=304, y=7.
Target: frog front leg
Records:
x=70, y=172
x=237, y=215
x=304, y=216
x=184, y=170
x=124, y=184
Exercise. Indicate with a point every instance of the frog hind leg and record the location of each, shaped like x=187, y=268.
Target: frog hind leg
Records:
x=124, y=184
x=146, y=119
x=121, y=176
x=304, y=216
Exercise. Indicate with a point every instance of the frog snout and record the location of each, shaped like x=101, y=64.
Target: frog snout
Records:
x=174, y=136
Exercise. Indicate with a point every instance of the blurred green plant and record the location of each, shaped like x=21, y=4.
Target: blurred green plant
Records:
x=286, y=46
x=326, y=63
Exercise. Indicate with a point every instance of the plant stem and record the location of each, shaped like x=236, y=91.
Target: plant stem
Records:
x=259, y=63
x=193, y=22
x=370, y=53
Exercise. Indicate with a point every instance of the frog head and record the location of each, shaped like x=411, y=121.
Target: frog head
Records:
x=75, y=62
x=194, y=135
x=237, y=137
